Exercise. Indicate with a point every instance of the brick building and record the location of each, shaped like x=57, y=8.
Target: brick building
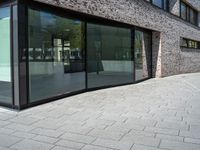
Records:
x=56, y=48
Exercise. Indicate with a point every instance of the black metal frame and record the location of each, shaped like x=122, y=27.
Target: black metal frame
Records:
x=10, y=4
x=85, y=50
x=23, y=6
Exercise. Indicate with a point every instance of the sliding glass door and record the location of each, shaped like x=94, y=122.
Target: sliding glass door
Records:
x=58, y=62
x=5, y=57
x=56, y=55
x=109, y=55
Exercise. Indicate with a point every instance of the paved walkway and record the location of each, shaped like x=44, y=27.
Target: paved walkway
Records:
x=158, y=114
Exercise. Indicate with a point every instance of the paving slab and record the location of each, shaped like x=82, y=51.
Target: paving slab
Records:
x=157, y=114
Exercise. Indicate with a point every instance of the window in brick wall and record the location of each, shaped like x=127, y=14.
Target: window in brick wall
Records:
x=188, y=13
x=163, y=4
x=188, y=43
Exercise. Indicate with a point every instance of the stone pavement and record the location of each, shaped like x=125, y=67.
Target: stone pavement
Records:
x=158, y=114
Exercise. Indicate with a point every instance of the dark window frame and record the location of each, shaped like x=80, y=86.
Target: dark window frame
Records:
x=188, y=13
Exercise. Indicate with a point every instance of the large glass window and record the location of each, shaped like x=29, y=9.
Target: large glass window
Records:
x=142, y=55
x=57, y=58
x=109, y=55
x=163, y=4
x=188, y=13
x=56, y=55
x=5, y=65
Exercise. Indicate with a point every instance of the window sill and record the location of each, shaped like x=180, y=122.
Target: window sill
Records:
x=186, y=49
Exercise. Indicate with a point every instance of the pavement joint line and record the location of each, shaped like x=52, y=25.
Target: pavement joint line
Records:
x=184, y=108
x=16, y=142
x=194, y=87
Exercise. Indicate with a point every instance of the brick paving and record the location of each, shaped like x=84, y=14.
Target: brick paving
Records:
x=158, y=114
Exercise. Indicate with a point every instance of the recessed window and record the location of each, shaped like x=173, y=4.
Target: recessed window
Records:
x=188, y=13
x=163, y=4
x=188, y=43
x=184, y=11
x=193, y=16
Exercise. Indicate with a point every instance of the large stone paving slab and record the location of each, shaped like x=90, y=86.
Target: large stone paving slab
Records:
x=158, y=114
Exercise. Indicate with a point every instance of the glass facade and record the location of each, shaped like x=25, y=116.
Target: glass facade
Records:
x=142, y=55
x=5, y=57
x=57, y=51
x=109, y=55
x=56, y=55
x=47, y=54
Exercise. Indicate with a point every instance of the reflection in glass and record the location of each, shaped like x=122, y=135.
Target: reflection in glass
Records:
x=188, y=13
x=183, y=11
x=142, y=55
x=109, y=58
x=157, y=3
x=193, y=16
x=166, y=4
x=56, y=56
x=5, y=65
x=184, y=42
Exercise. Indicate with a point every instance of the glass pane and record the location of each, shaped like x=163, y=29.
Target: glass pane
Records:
x=56, y=56
x=142, y=55
x=195, y=44
x=109, y=55
x=192, y=44
x=166, y=3
x=183, y=11
x=189, y=43
x=157, y=3
x=193, y=16
x=5, y=65
x=198, y=45
x=184, y=42
x=188, y=14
